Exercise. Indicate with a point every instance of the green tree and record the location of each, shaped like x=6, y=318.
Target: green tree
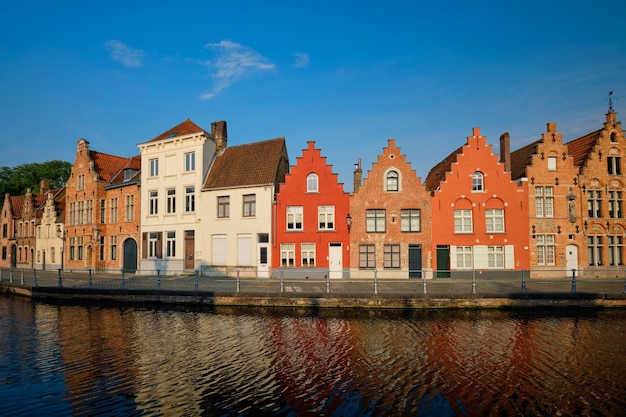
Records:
x=17, y=180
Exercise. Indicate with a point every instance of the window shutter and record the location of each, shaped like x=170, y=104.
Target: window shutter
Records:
x=159, y=246
x=144, y=245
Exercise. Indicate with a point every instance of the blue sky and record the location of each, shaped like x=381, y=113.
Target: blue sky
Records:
x=348, y=75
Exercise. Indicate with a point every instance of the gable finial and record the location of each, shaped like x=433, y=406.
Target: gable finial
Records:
x=611, y=101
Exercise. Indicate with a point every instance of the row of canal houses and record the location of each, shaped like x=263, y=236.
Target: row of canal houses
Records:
x=189, y=202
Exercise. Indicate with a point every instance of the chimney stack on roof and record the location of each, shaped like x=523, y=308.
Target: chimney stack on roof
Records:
x=505, y=151
x=219, y=135
x=358, y=176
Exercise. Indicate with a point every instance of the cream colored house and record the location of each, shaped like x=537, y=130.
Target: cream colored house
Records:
x=237, y=208
x=174, y=165
x=51, y=232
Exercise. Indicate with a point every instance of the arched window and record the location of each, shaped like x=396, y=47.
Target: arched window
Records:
x=613, y=138
x=393, y=181
x=478, y=181
x=311, y=183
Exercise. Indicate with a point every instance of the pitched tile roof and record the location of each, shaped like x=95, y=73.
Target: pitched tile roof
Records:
x=185, y=128
x=17, y=203
x=438, y=172
x=107, y=165
x=134, y=164
x=580, y=148
x=255, y=163
x=520, y=159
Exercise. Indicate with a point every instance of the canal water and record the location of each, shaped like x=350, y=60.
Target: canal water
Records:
x=60, y=360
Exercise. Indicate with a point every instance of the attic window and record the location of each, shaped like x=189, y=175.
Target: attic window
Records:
x=128, y=174
x=171, y=135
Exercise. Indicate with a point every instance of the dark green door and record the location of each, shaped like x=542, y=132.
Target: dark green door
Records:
x=443, y=261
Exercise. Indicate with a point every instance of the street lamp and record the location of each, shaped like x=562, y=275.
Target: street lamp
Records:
x=61, y=235
x=349, y=222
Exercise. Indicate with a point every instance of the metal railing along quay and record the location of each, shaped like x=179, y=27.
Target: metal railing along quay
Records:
x=452, y=284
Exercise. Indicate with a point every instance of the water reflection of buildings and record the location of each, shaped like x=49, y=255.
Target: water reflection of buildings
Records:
x=312, y=362
x=92, y=340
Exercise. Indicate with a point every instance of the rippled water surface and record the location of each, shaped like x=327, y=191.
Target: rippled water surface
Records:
x=88, y=360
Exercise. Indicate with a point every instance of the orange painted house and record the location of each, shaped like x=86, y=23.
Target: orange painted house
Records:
x=480, y=216
x=311, y=230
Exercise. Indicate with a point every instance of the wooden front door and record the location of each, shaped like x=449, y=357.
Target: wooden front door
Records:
x=189, y=249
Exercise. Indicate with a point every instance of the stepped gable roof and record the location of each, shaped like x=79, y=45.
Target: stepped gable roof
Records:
x=438, y=172
x=107, y=165
x=254, y=163
x=185, y=128
x=520, y=159
x=580, y=148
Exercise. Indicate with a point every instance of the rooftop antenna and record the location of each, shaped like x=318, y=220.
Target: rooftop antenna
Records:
x=611, y=101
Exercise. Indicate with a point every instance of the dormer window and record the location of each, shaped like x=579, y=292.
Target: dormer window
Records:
x=392, y=181
x=478, y=182
x=311, y=183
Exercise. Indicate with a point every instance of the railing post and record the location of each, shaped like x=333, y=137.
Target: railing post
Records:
x=60, y=280
x=328, y=282
x=196, y=281
x=123, y=279
x=573, y=281
x=158, y=279
x=90, y=280
x=375, y=281
x=473, y=281
x=34, y=277
x=523, y=282
x=0, y=274
x=424, y=281
x=22, y=276
x=11, y=275
x=282, y=282
x=238, y=282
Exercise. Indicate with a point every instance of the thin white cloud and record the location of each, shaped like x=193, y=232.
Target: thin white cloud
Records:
x=120, y=52
x=232, y=63
x=302, y=60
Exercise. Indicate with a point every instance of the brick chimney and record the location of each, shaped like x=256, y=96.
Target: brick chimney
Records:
x=219, y=135
x=505, y=151
x=44, y=187
x=358, y=176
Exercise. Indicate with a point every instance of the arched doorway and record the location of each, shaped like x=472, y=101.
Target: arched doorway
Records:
x=130, y=255
x=14, y=256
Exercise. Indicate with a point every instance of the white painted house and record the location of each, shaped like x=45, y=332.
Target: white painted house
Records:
x=237, y=208
x=174, y=165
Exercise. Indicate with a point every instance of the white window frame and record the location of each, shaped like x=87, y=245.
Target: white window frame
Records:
x=154, y=167
x=287, y=255
x=478, y=182
x=170, y=244
x=616, y=250
x=153, y=201
x=190, y=161
x=392, y=181
x=544, y=201
x=326, y=217
x=170, y=201
x=190, y=199
x=295, y=218
x=464, y=257
x=312, y=183
x=410, y=220
x=495, y=257
x=494, y=220
x=463, y=221
x=546, y=249
x=375, y=220
x=307, y=254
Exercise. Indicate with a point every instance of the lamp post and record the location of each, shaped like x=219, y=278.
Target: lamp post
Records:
x=349, y=222
x=61, y=235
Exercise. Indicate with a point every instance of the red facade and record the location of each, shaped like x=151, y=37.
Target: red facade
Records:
x=480, y=216
x=311, y=236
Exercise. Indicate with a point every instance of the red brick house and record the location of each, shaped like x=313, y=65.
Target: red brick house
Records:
x=102, y=211
x=11, y=213
x=312, y=235
x=480, y=216
x=600, y=216
x=391, y=216
x=554, y=202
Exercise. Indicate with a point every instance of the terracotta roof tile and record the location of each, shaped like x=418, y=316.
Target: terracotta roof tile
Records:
x=438, y=172
x=107, y=165
x=250, y=164
x=133, y=164
x=580, y=148
x=185, y=128
x=17, y=203
x=520, y=159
